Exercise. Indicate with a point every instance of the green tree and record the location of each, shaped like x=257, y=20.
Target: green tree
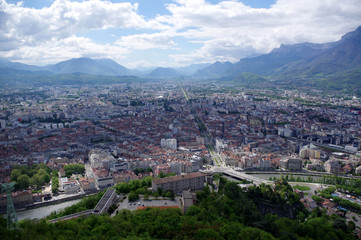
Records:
x=133, y=196
x=351, y=226
x=37, y=181
x=15, y=174
x=74, y=169
x=23, y=181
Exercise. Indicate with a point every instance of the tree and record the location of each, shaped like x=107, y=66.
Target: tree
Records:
x=15, y=174
x=339, y=223
x=74, y=169
x=351, y=226
x=54, y=182
x=37, y=181
x=170, y=195
x=133, y=196
x=23, y=181
x=254, y=233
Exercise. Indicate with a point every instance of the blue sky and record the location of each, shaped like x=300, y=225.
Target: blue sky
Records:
x=166, y=32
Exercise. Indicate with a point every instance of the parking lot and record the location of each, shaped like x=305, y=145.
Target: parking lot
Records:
x=147, y=203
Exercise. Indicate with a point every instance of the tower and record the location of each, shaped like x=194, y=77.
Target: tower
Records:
x=11, y=219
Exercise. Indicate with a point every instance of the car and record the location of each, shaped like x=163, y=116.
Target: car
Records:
x=138, y=203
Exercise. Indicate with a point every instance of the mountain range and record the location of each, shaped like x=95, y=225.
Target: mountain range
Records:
x=337, y=64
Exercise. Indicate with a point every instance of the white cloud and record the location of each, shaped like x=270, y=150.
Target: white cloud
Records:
x=64, y=18
x=228, y=30
x=71, y=47
x=162, y=40
x=231, y=30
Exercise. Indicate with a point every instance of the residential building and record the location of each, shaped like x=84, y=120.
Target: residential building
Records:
x=87, y=184
x=103, y=178
x=169, y=143
x=69, y=186
x=100, y=158
x=358, y=170
x=291, y=164
x=332, y=166
x=177, y=184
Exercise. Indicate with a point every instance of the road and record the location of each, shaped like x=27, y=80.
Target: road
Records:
x=215, y=155
x=239, y=175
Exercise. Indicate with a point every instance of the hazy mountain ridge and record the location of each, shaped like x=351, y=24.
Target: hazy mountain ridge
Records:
x=162, y=72
x=216, y=69
x=104, y=67
x=336, y=62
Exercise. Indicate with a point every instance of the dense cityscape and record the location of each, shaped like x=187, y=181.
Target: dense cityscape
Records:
x=84, y=139
x=180, y=119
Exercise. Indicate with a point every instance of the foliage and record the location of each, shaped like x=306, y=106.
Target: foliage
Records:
x=88, y=202
x=74, y=169
x=347, y=204
x=35, y=175
x=112, y=208
x=164, y=175
x=54, y=182
x=133, y=196
x=23, y=181
x=229, y=214
x=134, y=185
x=142, y=170
x=326, y=193
x=317, y=198
x=282, y=194
x=15, y=174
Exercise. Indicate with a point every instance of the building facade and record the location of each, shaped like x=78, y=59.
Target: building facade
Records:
x=177, y=184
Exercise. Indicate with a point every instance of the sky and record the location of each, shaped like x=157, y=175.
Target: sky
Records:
x=167, y=33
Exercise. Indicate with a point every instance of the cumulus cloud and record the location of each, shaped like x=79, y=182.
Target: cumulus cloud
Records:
x=228, y=30
x=71, y=47
x=29, y=26
x=161, y=40
x=231, y=30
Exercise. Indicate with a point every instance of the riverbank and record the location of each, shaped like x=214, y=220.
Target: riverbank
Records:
x=54, y=201
x=44, y=211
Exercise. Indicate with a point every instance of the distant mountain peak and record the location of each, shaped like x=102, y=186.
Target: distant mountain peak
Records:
x=104, y=66
x=216, y=69
x=163, y=72
x=356, y=35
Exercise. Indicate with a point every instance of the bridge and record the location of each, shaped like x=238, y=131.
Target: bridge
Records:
x=105, y=202
x=73, y=216
x=102, y=206
x=239, y=175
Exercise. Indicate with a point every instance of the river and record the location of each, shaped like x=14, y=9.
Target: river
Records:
x=41, y=212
